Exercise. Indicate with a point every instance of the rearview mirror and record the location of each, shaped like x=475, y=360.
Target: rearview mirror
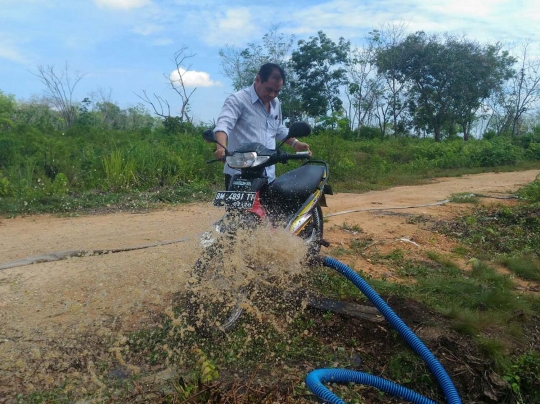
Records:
x=299, y=129
x=209, y=136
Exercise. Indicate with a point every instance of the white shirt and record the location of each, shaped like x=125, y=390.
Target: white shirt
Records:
x=244, y=119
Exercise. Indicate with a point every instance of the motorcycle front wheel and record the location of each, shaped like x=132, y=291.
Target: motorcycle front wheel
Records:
x=213, y=304
x=214, y=298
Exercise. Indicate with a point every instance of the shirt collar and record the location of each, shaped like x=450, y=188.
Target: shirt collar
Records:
x=255, y=97
x=253, y=94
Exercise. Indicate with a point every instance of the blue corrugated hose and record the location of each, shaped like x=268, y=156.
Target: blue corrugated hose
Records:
x=316, y=378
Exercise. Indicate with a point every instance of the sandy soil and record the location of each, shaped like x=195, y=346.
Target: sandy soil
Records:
x=114, y=292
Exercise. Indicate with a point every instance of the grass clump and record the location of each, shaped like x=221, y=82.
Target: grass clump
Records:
x=531, y=192
x=496, y=231
x=465, y=197
x=526, y=267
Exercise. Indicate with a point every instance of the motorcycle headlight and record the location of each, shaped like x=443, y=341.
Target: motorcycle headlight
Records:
x=244, y=160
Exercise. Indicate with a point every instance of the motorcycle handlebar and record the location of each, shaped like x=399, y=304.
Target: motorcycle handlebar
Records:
x=299, y=156
x=215, y=160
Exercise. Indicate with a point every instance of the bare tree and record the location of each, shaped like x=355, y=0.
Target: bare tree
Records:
x=362, y=88
x=518, y=97
x=179, y=85
x=59, y=90
x=160, y=105
x=107, y=110
x=394, y=104
x=525, y=86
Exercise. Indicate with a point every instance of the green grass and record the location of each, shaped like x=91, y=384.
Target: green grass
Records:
x=465, y=197
x=526, y=267
x=99, y=201
x=479, y=304
x=354, y=228
x=498, y=231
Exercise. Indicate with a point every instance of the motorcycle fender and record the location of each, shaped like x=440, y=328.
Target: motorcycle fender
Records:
x=327, y=190
x=322, y=201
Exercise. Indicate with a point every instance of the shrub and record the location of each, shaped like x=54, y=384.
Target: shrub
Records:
x=531, y=192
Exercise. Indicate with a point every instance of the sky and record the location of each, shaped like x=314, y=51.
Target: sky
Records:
x=125, y=48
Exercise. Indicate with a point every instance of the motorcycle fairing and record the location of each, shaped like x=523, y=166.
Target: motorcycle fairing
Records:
x=239, y=183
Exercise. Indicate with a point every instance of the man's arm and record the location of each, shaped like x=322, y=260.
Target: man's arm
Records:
x=294, y=143
x=230, y=112
x=222, y=139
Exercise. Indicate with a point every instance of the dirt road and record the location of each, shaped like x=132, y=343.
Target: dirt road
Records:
x=112, y=293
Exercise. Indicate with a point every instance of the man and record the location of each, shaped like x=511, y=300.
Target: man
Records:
x=254, y=115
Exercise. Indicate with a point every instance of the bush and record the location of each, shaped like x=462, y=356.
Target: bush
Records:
x=531, y=192
x=5, y=187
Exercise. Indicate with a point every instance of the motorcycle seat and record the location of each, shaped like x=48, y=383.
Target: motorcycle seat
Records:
x=297, y=184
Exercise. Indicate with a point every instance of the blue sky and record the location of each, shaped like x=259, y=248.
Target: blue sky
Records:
x=126, y=47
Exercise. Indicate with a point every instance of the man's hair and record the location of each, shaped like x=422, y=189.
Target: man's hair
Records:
x=270, y=69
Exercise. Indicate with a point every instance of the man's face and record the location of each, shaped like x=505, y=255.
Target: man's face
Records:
x=268, y=90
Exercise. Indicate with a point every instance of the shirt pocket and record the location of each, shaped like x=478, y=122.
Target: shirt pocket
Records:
x=272, y=124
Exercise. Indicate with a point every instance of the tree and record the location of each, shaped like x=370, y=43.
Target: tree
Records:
x=242, y=64
x=177, y=82
x=363, y=87
x=59, y=89
x=7, y=107
x=37, y=112
x=479, y=72
x=319, y=66
x=449, y=79
x=391, y=102
x=524, y=88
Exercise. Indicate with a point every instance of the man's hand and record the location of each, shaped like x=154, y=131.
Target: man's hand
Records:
x=301, y=146
x=219, y=154
x=221, y=137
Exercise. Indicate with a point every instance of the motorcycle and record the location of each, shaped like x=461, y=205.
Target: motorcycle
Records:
x=292, y=201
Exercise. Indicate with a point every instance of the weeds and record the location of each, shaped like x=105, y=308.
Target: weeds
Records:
x=498, y=231
x=119, y=172
x=524, y=377
x=464, y=198
x=531, y=192
x=526, y=267
x=354, y=228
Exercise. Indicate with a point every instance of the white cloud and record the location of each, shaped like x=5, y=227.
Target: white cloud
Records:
x=192, y=78
x=235, y=19
x=487, y=20
x=148, y=29
x=122, y=4
x=10, y=52
x=163, y=42
x=230, y=26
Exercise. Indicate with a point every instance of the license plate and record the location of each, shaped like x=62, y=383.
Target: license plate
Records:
x=235, y=199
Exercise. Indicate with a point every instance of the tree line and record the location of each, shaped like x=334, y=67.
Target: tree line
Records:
x=401, y=84
x=395, y=84
x=60, y=153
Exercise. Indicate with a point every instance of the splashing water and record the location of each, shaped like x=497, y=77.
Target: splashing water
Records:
x=75, y=329
x=260, y=270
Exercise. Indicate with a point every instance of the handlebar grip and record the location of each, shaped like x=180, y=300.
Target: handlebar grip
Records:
x=299, y=156
x=215, y=160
